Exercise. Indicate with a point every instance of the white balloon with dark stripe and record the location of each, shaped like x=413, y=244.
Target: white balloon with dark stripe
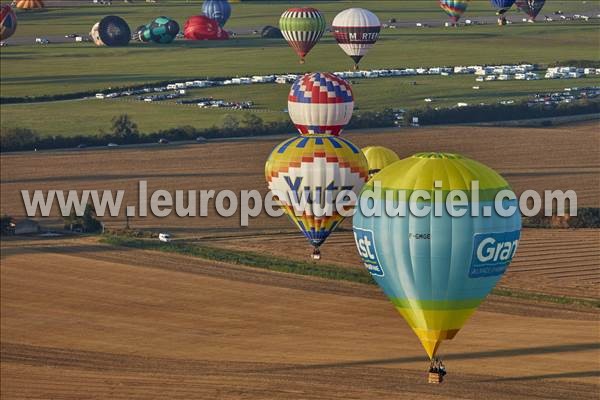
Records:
x=356, y=31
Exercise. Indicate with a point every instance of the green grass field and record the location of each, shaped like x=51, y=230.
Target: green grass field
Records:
x=90, y=116
x=30, y=70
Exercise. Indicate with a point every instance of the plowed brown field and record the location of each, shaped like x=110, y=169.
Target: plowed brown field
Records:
x=83, y=320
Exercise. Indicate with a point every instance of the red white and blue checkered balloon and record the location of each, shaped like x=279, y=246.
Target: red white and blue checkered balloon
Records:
x=320, y=103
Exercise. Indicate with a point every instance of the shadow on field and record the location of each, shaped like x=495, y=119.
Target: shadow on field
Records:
x=580, y=374
x=566, y=348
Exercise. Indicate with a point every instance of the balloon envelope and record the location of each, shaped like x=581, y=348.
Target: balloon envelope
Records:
x=8, y=22
x=163, y=30
x=114, y=31
x=95, y=35
x=219, y=10
x=379, y=157
x=502, y=5
x=531, y=7
x=306, y=174
x=271, y=32
x=302, y=27
x=436, y=270
x=200, y=27
x=356, y=30
x=29, y=4
x=454, y=8
x=320, y=103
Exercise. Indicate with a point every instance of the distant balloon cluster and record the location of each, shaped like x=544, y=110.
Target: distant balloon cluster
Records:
x=356, y=30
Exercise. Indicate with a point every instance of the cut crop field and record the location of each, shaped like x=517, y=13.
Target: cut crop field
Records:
x=561, y=262
x=559, y=158
x=82, y=319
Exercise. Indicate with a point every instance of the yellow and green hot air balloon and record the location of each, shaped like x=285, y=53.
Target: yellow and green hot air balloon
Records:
x=379, y=157
x=306, y=174
x=437, y=268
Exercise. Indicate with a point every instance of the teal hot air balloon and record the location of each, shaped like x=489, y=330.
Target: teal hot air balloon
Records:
x=454, y=8
x=437, y=268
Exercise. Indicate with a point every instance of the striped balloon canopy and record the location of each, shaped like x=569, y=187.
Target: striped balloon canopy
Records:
x=307, y=173
x=437, y=267
x=302, y=28
x=29, y=4
x=530, y=7
x=502, y=6
x=356, y=30
x=454, y=8
x=8, y=22
x=320, y=103
x=219, y=10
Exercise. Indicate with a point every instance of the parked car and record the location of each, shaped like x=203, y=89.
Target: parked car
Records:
x=201, y=139
x=163, y=141
x=112, y=145
x=165, y=237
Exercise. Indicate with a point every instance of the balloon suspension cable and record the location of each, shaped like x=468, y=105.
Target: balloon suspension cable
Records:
x=356, y=66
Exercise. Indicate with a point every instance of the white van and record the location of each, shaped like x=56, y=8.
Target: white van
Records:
x=165, y=237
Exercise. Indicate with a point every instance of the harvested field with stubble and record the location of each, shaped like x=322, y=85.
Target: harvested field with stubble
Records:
x=82, y=319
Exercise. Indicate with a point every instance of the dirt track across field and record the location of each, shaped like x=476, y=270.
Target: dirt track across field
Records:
x=83, y=320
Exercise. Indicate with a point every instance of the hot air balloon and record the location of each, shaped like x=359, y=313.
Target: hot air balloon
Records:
x=356, y=31
x=142, y=33
x=29, y=4
x=114, y=31
x=454, y=8
x=302, y=28
x=95, y=35
x=200, y=27
x=379, y=157
x=271, y=32
x=163, y=30
x=8, y=22
x=437, y=268
x=306, y=174
x=530, y=7
x=320, y=103
x=502, y=6
x=219, y=10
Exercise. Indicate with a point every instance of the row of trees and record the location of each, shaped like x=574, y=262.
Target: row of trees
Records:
x=126, y=131
x=500, y=112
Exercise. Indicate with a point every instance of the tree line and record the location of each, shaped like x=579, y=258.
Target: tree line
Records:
x=125, y=131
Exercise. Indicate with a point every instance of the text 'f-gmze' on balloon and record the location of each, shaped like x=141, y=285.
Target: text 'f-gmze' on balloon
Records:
x=320, y=103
